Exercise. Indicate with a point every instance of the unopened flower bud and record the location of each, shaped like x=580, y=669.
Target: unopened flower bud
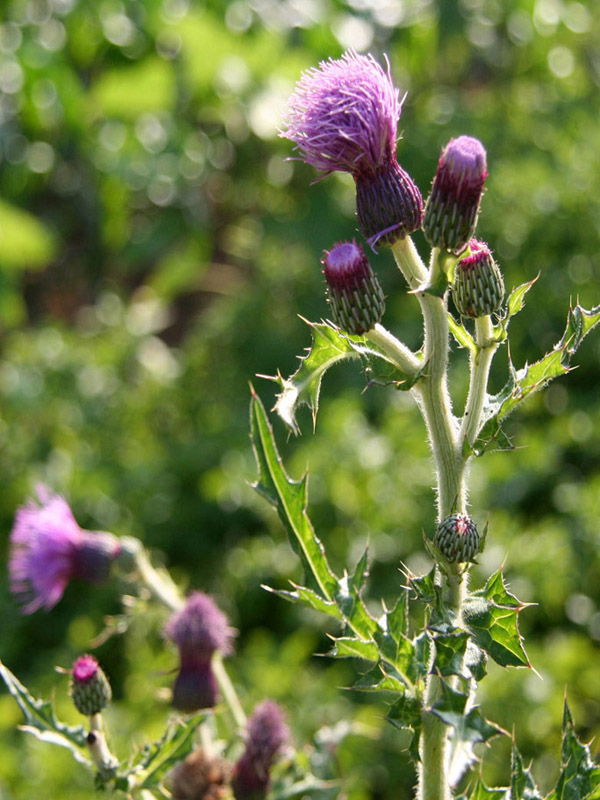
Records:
x=90, y=689
x=355, y=296
x=266, y=735
x=453, y=205
x=198, y=629
x=478, y=288
x=457, y=538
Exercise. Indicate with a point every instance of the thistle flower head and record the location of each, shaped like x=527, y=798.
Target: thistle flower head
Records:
x=344, y=115
x=453, y=205
x=478, y=288
x=48, y=549
x=200, y=777
x=354, y=294
x=266, y=735
x=198, y=629
x=90, y=689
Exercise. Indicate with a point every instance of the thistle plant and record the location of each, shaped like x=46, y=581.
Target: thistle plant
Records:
x=343, y=116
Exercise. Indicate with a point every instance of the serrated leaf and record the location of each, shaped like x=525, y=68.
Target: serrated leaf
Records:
x=307, y=597
x=290, y=499
x=379, y=679
x=522, y=784
x=579, y=777
x=41, y=721
x=470, y=726
x=480, y=791
x=516, y=299
x=531, y=378
x=397, y=618
x=176, y=743
x=405, y=714
x=491, y=614
x=350, y=647
x=425, y=587
x=450, y=651
x=329, y=347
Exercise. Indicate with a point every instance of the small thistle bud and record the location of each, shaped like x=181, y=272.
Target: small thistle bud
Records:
x=478, y=288
x=453, y=205
x=457, y=538
x=198, y=629
x=266, y=736
x=90, y=689
x=200, y=777
x=354, y=294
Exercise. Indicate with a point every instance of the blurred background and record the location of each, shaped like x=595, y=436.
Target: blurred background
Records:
x=156, y=248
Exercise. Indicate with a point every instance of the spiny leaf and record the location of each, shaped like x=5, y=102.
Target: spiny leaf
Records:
x=290, y=499
x=479, y=791
x=379, y=679
x=307, y=597
x=405, y=714
x=351, y=647
x=176, y=743
x=450, y=652
x=491, y=614
x=532, y=377
x=308, y=786
x=470, y=726
x=522, y=784
x=516, y=299
x=41, y=721
x=329, y=347
x=397, y=618
x=579, y=777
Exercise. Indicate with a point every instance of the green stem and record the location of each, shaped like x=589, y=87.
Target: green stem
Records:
x=395, y=350
x=481, y=361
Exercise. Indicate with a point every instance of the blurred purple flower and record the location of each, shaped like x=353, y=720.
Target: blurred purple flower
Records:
x=344, y=116
x=48, y=549
x=198, y=629
x=266, y=736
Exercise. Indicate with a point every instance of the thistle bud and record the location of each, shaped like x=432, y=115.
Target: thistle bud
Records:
x=90, y=689
x=354, y=294
x=453, y=205
x=266, y=735
x=478, y=288
x=457, y=538
x=199, y=629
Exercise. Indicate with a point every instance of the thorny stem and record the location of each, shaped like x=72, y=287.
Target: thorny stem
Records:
x=446, y=437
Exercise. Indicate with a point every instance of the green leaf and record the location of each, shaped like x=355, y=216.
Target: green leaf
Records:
x=516, y=299
x=450, y=651
x=579, y=777
x=425, y=587
x=491, y=614
x=470, y=726
x=522, y=784
x=308, y=786
x=41, y=721
x=176, y=743
x=461, y=334
x=329, y=347
x=350, y=647
x=480, y=791
x=379, y=679
x=290, y=499
x=397, y=618
x=405, y=714
x=531, y=378
x=307, y=597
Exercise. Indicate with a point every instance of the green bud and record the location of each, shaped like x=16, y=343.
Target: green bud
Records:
x=478, y=288
x=457, y=538
x=90, y=689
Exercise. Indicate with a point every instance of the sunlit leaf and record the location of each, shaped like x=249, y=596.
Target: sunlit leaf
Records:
x=579, y=776
x=522, y=784
x=175, y=744
x=491, y=614
x=41, y=721
x=470, y=726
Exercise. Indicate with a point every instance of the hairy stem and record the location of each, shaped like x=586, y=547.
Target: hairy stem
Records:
x=481, y=361
x=395, y=350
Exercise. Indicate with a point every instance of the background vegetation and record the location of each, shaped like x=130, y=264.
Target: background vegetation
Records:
x=155, y=251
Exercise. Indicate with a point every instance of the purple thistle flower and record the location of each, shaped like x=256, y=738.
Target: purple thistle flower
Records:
x=266, y=736
x=355, y=297
x=453, y=204
x=48, y=549
x=344, y=116
x=198, y=629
